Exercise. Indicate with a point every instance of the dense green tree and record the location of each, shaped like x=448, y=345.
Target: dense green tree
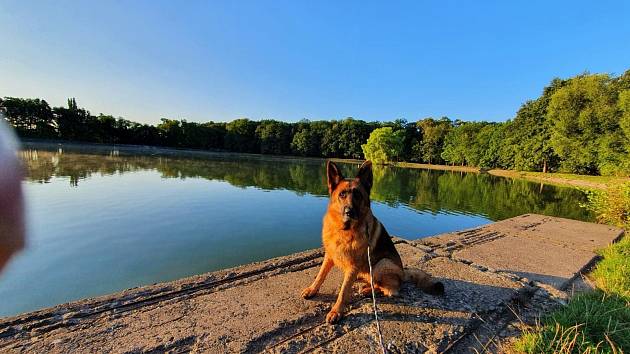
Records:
x=145, y=134
x=274, y=137
x=585, y=124
x=201, y=136
x=624, y=122
x=530, y=134
x=30, y=117
x=215, y=135
x=107, y=131
x=459, y=144
x=411, y=136
x=433, y=132
x=488, y=146
x=171, y=132
x=307, y=137
x=344, y=138
x=74, y=123
x=384, y=145
x=621, y=142
x=240, y=136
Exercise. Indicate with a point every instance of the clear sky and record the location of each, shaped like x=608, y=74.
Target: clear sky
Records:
x=288, y=60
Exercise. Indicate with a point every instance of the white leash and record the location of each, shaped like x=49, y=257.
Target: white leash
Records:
x=378, y=325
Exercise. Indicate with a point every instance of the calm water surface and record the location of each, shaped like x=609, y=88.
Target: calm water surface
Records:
x=100, y=221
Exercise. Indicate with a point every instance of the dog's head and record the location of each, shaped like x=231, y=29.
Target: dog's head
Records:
x=349, y=197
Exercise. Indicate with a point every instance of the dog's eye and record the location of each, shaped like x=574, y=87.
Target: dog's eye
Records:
x=343, y=194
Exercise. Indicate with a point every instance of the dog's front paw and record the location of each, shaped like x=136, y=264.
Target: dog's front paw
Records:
x=309, y=292
x=333, y=316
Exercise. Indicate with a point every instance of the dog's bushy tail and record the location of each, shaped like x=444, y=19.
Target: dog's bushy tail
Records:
x=424, y=281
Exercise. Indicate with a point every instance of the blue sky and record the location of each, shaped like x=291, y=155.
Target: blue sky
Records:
x=289, y=60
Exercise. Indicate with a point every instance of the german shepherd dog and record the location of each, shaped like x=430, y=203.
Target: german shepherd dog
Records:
x=349, y=229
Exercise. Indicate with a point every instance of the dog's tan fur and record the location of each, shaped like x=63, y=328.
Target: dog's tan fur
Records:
x=349, y=227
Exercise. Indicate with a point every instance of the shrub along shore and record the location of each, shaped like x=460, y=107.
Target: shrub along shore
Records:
x=578, y=125
x=586, y=182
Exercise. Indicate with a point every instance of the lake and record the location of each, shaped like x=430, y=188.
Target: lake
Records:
x=102, y=219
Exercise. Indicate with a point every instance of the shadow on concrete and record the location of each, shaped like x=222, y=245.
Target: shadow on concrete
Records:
x=464, y=304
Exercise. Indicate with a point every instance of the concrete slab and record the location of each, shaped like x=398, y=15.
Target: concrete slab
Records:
x=541, y=248
x=532, y=259
x=417, y=322
x=570, y=233
x=228, y=318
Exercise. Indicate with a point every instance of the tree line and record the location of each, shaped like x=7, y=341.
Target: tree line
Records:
x=578, y=125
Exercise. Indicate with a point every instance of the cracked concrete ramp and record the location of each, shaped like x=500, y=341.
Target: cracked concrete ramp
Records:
x=541, y=248
x=257, y=308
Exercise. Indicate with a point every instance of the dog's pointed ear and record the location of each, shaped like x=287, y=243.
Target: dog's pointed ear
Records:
x=365, y=175
x=334, y=176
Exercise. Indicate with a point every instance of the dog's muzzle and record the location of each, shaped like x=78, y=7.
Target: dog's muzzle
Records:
x=349, y=214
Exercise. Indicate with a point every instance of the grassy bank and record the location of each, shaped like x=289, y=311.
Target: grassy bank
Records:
x=596, y=321
x=560, y=179
x=565, y=179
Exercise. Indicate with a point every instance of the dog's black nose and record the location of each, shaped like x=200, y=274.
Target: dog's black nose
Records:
x=348, y=211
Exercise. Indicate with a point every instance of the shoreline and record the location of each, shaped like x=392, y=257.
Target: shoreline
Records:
x=551, y=178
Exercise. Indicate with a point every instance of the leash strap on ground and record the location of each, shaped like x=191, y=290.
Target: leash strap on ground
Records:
x=378, y=325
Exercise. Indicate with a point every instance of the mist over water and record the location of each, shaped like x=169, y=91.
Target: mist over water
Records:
x=101, y=220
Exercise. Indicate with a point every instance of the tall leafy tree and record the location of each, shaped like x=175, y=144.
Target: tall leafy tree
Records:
x=344, y=138
x=384, y=145
x=488, y=145
x=274, y=137
x=240, y=136
x=30, y=117
x=215, y=135
x=585, y=121
x=307, y=137
x=411, y=136
x=530, y=134
x=433, y=132
x=459, y=144
x=74, y=123
x=171, y=132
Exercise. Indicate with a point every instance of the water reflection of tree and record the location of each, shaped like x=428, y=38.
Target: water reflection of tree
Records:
x=424, y=190
x=42, y=165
